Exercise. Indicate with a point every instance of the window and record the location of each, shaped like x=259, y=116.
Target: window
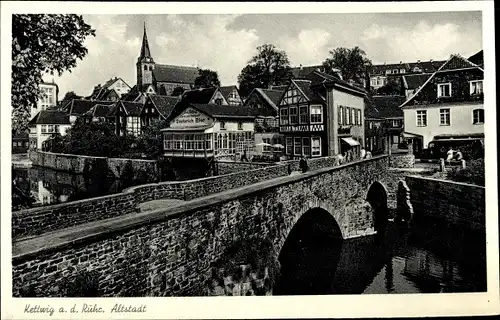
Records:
x=218, y=101
x=370, y=125
x=476, y=87
x=145, y=68
x=222, y=125
x=395, y=71
x=289, y=145
x=303, y=114
x=348, y=116
x=51, y=128
x=341, y=115
x=421, y=118
x=133, y=125
x=478, y=116
x=306, y=146
x=240, y=125
x=396, y=123
x=297, y=148
x=316, y=114
x=267, y=148
x=316, y=146
x=283, y=116
x=387, y=71
x=374, y=81
x=402, y=70
x=294, y=119
x=444, y=117
x=359, y=118
x=353, y=116
x=444, y=90
x=44, y=128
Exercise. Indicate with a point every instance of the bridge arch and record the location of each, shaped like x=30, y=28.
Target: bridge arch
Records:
x=310, y=254
x=377, y=197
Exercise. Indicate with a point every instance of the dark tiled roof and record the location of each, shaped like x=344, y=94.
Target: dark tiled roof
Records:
x=81, y=106
x=132, y=109
x=384, y=106
x=457, y=62
x=100, y=110
x=274, y=96
x=177, y=74
x=198, y=95
x=414, y=81
x=424, y=66
x=331, y=79
x=226, y=90
x=164, y=104
x=219, y=111
x=477, y=58
x=305, y=87
x=50, y=117
x=304, y=71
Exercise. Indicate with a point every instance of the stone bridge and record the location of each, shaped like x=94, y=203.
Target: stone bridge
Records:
x=193, y=247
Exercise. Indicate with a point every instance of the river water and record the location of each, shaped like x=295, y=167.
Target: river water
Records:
x=428, y=258
x=48, y=187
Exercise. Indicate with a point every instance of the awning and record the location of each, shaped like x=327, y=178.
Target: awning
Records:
x=411, y=135
x=350, y=141
x=186, y=129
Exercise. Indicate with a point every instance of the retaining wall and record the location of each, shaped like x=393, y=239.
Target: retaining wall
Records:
x=452, y=202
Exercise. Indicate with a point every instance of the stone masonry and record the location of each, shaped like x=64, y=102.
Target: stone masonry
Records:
x=171, y=251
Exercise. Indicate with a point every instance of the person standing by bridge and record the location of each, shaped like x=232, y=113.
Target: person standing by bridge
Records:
x=362, y=153
x=303, y=164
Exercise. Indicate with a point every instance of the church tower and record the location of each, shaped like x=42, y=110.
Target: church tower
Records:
x=145, y=63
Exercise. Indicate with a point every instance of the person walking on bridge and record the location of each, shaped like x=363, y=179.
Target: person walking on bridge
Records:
x=362, y=153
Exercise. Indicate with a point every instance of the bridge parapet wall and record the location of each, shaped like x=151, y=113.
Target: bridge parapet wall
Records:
x=170, y=251
x=38, y=220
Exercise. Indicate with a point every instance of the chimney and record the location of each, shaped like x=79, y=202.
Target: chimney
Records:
x=400, y=62
x=431, y=60
x=418, y=61
x=300, y=67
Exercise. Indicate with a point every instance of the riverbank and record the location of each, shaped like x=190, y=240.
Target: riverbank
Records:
x=21, y=161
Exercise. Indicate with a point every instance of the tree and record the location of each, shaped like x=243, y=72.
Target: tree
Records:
x=178, y=91
x=207, y=79
x=150, y=141
x=352, y=63
x=270, y=66
x=42, y=43
x=92, y=139
x=391, y=88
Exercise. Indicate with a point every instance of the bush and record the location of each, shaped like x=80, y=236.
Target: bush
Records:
x=473, y=173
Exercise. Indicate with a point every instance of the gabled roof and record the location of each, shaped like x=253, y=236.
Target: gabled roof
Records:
x=305, y=88
x=164, y=104
x=81, y=106
x=102, y=92
x=335, y=81
x=455, y=62
x=272, y=97
x=50, y=117
x=477, y=58
x=414, y=81
x=384, y=107
x=100, y=110
x=226, y=90
x=219, y=111
x=176, y=74
x=202, y=95
x=425, y=66
x=132, y=109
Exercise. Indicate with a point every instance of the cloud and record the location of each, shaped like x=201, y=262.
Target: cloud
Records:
x=174, y=39
x=307, y=47
x=424, y=41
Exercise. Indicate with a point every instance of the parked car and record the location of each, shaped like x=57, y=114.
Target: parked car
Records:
x=470, y=148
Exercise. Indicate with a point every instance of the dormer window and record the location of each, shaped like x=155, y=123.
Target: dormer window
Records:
x=444, y=90
x=416, y=69
x=476, y=87
x=395, y=71
x=222, y=125
x=388, y=71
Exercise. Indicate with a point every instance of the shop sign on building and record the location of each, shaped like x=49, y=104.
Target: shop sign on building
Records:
x=191, y=118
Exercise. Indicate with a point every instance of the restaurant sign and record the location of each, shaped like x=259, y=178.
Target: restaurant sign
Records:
x=191, y=118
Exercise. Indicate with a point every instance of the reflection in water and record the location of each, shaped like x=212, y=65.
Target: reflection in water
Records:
x=426, y=259
x=48, y=187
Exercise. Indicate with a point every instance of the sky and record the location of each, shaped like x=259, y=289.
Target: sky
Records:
x=225, y=43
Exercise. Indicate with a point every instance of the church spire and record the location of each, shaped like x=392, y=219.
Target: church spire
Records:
x=145, y=53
